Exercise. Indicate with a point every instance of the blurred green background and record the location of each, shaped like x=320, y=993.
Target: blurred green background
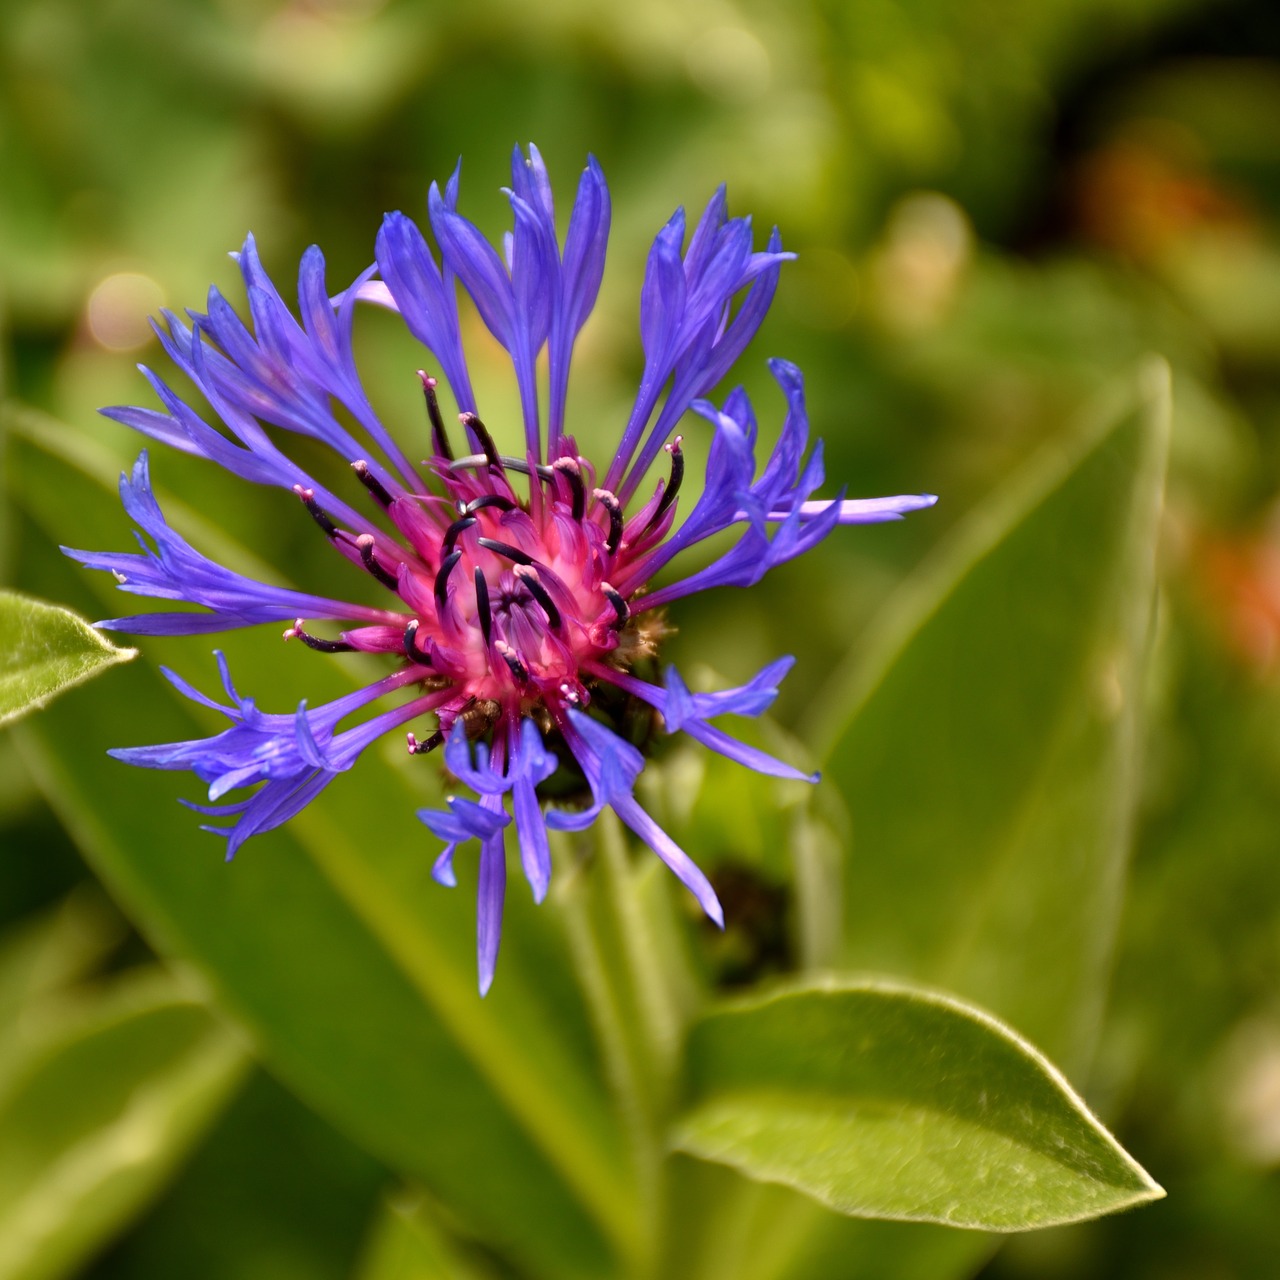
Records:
x=998, y=207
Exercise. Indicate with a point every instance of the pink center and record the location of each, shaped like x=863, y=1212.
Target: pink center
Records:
x=507, y=600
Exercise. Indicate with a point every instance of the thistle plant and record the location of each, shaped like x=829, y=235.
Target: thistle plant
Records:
x=523, y=587
x=524, y=594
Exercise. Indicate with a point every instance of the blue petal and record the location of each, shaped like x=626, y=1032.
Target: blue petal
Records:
x=759, y=761
x=662, y=297
x=530, y=181
x=751, y=699
x=531, y=829
x=706, y=234
x=531, y=758
x=463, y=820
x=581, y=271
x=662, y=844
x=176, y=571
x=442, y=869
x=429, y=306
x=585, y=245
x=490, y=894
x=475, y=262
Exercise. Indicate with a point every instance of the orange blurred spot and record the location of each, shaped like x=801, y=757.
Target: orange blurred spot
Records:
x=1141, y=198
x=1243, y=578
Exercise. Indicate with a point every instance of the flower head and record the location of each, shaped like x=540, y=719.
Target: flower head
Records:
x=520, y=586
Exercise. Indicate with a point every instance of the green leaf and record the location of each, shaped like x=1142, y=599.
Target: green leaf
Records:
x=726, y=1226
x=97, y=1117
x=888, y=1101
x=102, y=1089
x=406, y=1244
x=925, y=890
x=328, y=940
x=43, y=955
x=45, y=649
x=273, y=1193
x=986, y=749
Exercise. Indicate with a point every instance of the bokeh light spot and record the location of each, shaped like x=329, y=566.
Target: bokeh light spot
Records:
x=118, y=308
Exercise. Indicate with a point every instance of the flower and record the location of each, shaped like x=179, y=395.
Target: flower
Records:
x=519, y=586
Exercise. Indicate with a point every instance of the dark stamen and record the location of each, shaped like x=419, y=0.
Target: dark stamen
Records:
x=614, y=508
x=452, y=533
x=543, y=597
x=620, y=607
x=442, y=578
x=315, y=511
x=508, y=463
x=488, y=500
x=505, y=549
x=371, y=482
x=568, y=468
x=483, y=438
x=365, y=543
x=673, y=485
x=519, y=672
x=417, y=748
x=412, y=652
x=482, y=605
x=439, y=437
x=296, y=632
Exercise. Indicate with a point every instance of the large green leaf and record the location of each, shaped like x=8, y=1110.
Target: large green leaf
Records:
x=986, y=748
x=724, y=1225
x=952, y=910
x=96, y=1115
x=273, y=1193
x=104, y=1086
x=329, y=941
x=882, y=1100
x=43, y=955
x=45, y=649
x=405, y=1243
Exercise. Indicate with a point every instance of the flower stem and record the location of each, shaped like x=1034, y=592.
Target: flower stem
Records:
x=632, y=1004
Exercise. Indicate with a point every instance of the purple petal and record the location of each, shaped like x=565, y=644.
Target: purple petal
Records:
x=862, y=510
x=706, y=234
x=475, y=262
x=585, y=245
x=490, y=895
x=662, y=296
x=662, y=844
x=531, y=829
x=727, y=745
x=442, y=869
x=176, y=571
x=464, y=819
x=426, y=301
